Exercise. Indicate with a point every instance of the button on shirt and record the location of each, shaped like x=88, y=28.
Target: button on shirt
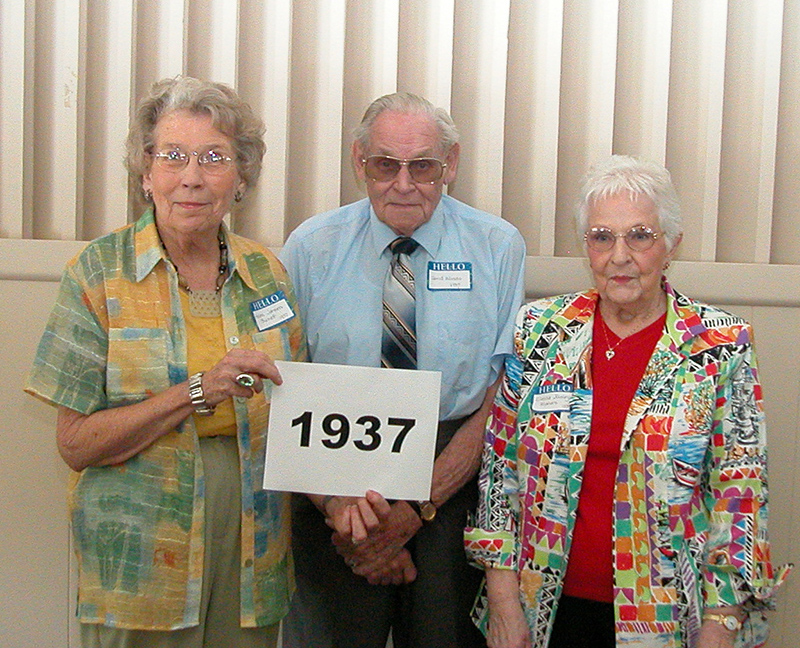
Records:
x=338, y=261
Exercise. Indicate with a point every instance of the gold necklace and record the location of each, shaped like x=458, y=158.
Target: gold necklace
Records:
x=610, y=351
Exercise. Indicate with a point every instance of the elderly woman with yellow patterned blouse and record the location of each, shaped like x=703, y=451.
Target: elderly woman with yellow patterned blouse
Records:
x=158, y=354
x=623, y=486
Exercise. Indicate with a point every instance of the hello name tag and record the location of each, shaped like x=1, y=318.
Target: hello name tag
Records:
x=552, y=398
x=271, y=311
x=449, y=275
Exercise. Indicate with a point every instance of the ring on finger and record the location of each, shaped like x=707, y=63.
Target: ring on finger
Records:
x=245, y=380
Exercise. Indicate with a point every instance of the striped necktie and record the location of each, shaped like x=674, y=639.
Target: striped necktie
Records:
x=399, y=344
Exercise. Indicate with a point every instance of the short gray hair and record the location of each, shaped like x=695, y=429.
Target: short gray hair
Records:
x=623, y=174
x=406, y=102
x=229, y=114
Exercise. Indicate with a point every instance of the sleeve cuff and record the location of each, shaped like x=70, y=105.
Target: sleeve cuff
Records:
x=490, y=549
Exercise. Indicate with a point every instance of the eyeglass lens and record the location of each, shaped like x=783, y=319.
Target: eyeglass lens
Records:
x=383, y=168
x=638, y=239
x=176, y=160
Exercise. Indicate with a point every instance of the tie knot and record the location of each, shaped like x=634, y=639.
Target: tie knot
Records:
x=403, y=245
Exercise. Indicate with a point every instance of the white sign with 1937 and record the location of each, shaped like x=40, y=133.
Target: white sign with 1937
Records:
x=342, y=430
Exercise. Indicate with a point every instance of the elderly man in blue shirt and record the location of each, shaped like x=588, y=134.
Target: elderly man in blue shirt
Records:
x=460, y=271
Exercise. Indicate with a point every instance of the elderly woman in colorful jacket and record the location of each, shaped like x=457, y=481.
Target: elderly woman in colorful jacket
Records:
x=623, y=486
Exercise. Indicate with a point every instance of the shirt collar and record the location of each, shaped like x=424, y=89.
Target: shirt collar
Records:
x=149, y=250
x=428, y=235
x=236, y=258
x=147, y=245
x=683, y=317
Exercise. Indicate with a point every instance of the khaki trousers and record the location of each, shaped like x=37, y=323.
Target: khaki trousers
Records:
x=219, y=607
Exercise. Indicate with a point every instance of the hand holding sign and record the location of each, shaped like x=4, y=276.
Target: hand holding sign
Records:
x=380, y=557
x=354, y=518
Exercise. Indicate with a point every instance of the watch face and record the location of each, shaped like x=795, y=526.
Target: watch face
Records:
x=728, y=621
x=427, y=511
x=731, y=622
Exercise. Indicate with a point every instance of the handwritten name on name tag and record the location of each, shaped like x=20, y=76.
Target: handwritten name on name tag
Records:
x=552, y=398
x=449, y=275
x=271, y=311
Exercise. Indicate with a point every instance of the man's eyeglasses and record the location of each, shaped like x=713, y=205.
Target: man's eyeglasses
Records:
x=382, y=168
x=638, y=238
x=175, y=160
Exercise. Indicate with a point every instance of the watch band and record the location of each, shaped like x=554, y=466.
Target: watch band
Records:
x=424, y=508
x=197, y=396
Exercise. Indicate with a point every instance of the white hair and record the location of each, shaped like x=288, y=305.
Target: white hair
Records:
x=623, y=174
x=406, y=102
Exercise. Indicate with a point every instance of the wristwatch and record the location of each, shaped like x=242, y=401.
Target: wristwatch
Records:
x=425, y=509
x=729, y=621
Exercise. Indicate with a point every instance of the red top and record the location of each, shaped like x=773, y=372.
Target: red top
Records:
x=590, y=573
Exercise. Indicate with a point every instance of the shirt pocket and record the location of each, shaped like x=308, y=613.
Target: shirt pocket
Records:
x=139, y=361
x=463, y=353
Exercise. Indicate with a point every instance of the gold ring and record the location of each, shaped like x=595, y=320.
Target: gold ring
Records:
x=245, y=380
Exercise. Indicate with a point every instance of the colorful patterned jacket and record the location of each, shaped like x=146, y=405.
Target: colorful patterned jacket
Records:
x=116, y=335
x=690, y=514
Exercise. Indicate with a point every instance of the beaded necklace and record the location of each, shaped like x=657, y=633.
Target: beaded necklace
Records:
x=205, y=303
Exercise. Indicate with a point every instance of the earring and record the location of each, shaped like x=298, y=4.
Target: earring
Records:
x=666, y=265
x=148, y=195
x=237, y=197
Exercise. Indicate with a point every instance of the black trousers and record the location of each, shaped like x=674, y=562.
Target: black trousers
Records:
x=581, y=623
x=334, y=608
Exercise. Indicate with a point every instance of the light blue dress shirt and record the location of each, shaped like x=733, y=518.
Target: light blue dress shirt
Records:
x=338, y=261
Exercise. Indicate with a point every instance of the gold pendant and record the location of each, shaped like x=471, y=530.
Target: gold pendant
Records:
x=609, y=354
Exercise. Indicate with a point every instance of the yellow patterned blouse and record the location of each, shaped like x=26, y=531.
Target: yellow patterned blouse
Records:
x=115, y=336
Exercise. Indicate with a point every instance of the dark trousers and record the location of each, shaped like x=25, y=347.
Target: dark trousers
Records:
x=581, y=623
x=334, y=607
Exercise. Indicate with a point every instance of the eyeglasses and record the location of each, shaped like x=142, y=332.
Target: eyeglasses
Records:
x=175, y=160
x=382, y=168
x=638, y=238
